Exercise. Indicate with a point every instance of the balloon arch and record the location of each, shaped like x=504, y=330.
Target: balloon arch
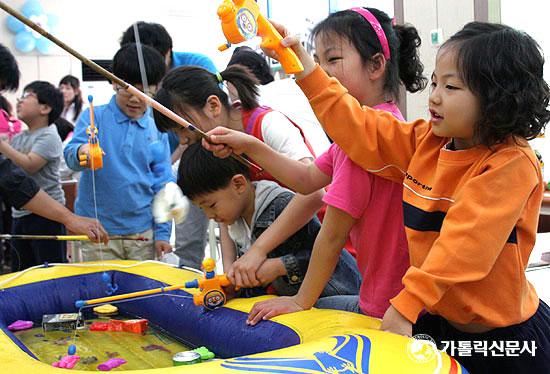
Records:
x=26, y=40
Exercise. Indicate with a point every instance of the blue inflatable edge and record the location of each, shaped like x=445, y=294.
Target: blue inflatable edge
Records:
x=224, y=331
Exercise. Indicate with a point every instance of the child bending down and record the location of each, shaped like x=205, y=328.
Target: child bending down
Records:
x=223, y=190
x=199, y=96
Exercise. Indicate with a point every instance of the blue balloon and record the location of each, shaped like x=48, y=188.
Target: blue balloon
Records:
x=14, y=25
x=53, y=20
x=24, y=41
x=32, y=8
x=43, y=45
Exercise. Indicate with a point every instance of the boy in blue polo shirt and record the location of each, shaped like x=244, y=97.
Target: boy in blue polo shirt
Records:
x=124, y=185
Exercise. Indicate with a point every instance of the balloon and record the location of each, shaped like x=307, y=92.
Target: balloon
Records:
x=53, y=21
x=14, y=25
x=24, y=41
x=43, y=45
x=31, y=8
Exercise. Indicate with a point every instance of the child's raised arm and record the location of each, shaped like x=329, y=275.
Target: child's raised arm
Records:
x=298, y=176
x=79, y=139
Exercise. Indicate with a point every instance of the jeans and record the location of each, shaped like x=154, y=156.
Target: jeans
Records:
x=348, y=303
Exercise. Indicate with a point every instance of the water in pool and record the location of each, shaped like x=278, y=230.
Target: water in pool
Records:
x=153, y=349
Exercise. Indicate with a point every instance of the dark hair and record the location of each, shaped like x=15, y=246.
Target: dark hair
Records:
x=49, y=95
x=9, y=72
x=201, y=172
x=503, y=68
x=192, y=85
x=73, y=81
x=255, y=62
x=404, y=64
x=64, y=127
x=151, y=34
x=126, y=64
x=6, y=105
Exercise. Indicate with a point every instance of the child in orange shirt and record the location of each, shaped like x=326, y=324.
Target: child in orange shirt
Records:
x=472, y=193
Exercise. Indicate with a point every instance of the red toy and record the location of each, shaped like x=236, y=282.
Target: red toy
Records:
x=136, y=326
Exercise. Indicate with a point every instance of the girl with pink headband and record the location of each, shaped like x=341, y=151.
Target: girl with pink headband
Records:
x=362, y=49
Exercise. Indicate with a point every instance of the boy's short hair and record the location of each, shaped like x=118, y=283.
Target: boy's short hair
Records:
x=151, y=34
x=47, y=94
x=9, y=72
x=201, y=172
x=126, y=64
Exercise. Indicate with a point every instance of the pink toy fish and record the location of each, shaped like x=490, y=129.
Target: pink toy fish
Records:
x=20, y=325
x=111, y=364
x=67, y=362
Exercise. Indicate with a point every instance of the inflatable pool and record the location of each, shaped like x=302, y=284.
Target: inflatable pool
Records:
x=314, y=341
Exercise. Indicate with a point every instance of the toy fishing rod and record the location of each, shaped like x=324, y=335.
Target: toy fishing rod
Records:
x=113, y=78
x=211, y=294
x=66, y=237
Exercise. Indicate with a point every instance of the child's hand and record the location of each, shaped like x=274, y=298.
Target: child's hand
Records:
x=294, y=43
x=84, y=149
x=246, y=266
x=271, y=269
x=271, y=308
x=224, y=141
x=393, y=321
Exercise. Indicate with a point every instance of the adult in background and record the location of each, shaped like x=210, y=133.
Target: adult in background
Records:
x=72, y=98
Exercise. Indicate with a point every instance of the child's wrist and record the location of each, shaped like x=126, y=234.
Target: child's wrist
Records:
x=259, y=249
x=302, y=302
x=280, y=267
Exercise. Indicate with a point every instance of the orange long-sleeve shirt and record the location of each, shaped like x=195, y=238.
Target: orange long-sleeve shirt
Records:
x=470, y=215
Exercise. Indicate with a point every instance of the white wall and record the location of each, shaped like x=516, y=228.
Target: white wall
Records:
x=531, y=16
x=426, y=15
x=94, y=29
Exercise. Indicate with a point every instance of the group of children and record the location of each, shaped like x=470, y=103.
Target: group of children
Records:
x=472, y=186
x=442, y=214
